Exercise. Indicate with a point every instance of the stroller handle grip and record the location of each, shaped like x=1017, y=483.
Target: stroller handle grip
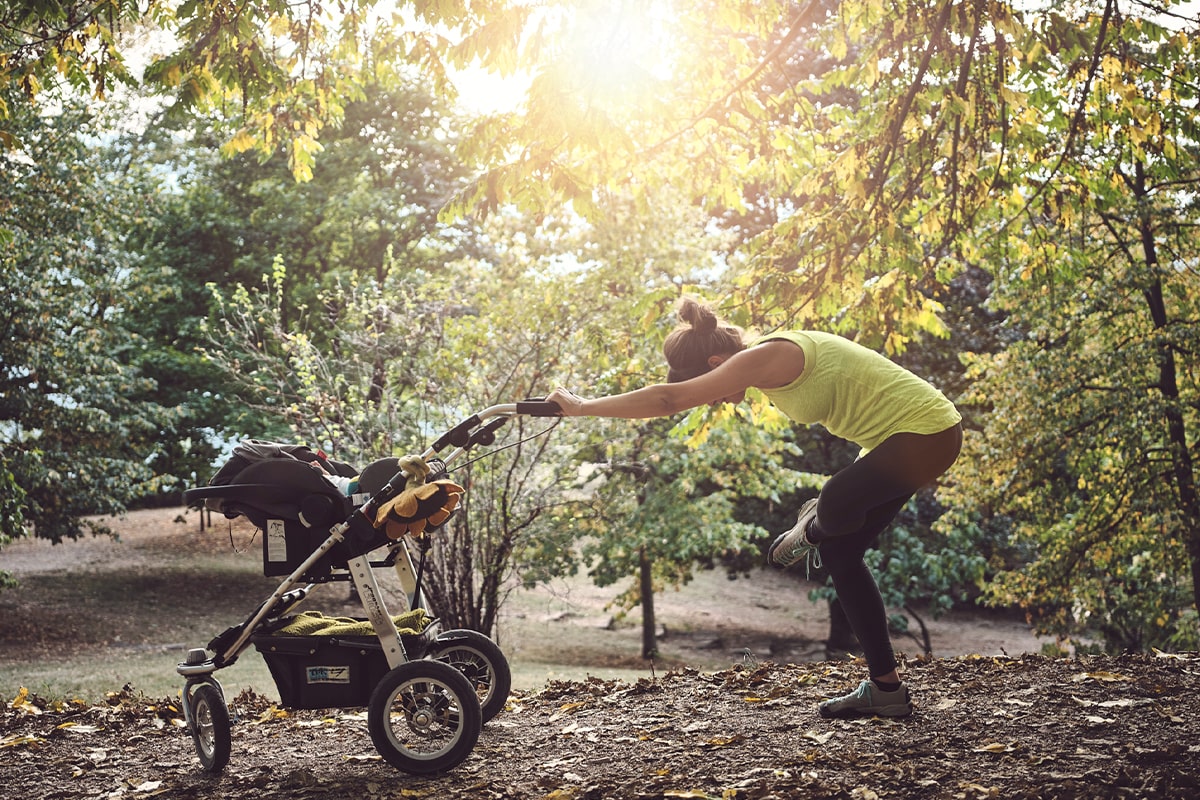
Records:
x=537, y=407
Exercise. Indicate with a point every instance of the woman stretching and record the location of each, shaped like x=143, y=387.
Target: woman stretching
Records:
x=909, y=433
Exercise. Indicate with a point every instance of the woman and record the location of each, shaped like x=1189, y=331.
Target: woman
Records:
x=908, y=431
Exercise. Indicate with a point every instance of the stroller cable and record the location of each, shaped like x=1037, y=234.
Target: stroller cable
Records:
x=493, y=452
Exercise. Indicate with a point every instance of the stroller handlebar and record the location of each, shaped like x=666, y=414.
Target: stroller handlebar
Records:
x=461, y=435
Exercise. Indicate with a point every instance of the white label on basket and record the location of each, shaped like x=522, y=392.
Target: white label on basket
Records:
x=328, y=674
x=276, y=541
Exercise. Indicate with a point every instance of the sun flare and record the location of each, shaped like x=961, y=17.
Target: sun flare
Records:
x=615, y=52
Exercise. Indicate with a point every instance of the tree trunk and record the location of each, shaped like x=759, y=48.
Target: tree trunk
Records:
x=646, y=583
x=925, y=640
x=841, y=636
x=1182, y=467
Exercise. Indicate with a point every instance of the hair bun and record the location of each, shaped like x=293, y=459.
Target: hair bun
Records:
x=702, y=318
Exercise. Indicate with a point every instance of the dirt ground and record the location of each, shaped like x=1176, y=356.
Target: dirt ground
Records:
x=1001, y=724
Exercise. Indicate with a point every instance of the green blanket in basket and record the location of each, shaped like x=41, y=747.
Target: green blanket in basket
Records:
x=314, y=623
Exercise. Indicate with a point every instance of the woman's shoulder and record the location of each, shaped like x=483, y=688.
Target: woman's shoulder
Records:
x=775, y=360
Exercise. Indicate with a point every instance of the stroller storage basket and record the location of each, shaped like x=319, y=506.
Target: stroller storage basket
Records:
x=328, y=671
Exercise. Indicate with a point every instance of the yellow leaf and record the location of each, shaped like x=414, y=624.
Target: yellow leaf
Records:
x=239, y=143
x=20, y=740
x=21, y=703
x=1104, y=677
x=270, y=714
x=568, y=707
x=724, y=741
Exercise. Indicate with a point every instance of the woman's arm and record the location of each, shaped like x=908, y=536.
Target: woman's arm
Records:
x=657, y=400
x=771, y=364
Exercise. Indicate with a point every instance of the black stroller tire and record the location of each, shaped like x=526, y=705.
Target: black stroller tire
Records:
x=424, y=717
x=482, y=662
x=210, y=726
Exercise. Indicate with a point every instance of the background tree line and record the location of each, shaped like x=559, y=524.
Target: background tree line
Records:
x=304, y=235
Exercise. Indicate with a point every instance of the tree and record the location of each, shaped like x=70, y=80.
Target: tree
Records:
x=507, y=347
x=647, y=501
x=369, y=211
x=75, y=430
x=276, y=77
x=1092, y=427
x=863, y=154
x=78, y=41
x=657, y=508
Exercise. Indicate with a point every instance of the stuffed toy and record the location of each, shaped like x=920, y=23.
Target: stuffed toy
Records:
x=421, y=505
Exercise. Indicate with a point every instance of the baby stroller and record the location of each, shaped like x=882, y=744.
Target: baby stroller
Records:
x=427, y=693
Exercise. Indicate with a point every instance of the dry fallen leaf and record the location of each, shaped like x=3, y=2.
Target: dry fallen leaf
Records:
x=1102, y=676
x=21, y=740
x=725, y=741
x=272, y=714
x=22, y=703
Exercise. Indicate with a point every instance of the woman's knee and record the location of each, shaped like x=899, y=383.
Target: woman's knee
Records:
x=836, y=518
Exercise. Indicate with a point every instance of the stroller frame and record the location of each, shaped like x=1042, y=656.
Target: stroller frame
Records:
x=424, y=715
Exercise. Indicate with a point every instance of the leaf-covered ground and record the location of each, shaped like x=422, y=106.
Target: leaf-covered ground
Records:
x=1030, y=727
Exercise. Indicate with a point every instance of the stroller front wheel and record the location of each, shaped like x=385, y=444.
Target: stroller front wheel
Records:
x=424, y=717
x=210, y=725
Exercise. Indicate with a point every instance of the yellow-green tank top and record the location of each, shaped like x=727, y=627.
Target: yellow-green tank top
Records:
x=856, y=393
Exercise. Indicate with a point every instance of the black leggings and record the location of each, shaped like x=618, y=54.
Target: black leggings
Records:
x=855, y=507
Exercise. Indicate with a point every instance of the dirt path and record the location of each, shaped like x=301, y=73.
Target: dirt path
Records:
x=984, y=728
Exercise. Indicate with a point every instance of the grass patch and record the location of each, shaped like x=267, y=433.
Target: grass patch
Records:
x=90, y=677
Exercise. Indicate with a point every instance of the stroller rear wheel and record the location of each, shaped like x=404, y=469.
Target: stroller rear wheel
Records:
x=424, y=717
x=210, y=725
x=482, y=662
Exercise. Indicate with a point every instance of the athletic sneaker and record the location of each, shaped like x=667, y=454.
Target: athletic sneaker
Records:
x=868, y=700
x=793, y=546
